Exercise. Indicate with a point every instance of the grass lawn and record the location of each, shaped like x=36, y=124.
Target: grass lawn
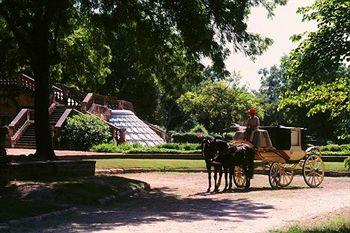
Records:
x=338, y=225
x=150, y=163
x=175, y=164
x=335, y=166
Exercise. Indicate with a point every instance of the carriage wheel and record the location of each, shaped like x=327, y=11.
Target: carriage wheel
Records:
x=313, y=170
x=239, y=177
x=274, y=175
x=286, y=176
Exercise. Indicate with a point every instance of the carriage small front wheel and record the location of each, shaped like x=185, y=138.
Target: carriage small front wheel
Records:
x=286, y=175
x=239, y=177
x=274, y=175
x=313, y=170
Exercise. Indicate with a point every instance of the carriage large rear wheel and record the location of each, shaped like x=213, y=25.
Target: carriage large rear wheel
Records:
x=313, y=169
x=239, y=177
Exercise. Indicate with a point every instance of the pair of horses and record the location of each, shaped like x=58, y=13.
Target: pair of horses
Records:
x=224, y=156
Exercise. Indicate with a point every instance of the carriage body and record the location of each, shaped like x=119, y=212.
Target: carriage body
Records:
x=286, y=144
x=281, y=149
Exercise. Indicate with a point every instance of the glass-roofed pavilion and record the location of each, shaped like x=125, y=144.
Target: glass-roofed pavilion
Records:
x=137, y=131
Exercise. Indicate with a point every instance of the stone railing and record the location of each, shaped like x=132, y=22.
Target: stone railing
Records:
x=67, y=96
x=21, y=80
x=60, y=124
x=91, y=99
x=160, y=132
x=97, y=105
x=52, y=107
x=62, y=94
x=120, y=104
x=26, y=82
x=19, y=125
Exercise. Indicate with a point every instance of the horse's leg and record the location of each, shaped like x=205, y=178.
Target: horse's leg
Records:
x=216, y=179
x=220, y=175
x=231, y=175
x=226, y=178
x=248, y=176
x=209, y=177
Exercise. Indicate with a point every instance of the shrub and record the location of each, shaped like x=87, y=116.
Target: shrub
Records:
x=199, y=128
x=82, y=131
x=336, y=147
x=126, y=147
x=105, y=147
x=186, y=138
x=172, y=148
x=180, y=146
x=331, y=147
x=347, y=163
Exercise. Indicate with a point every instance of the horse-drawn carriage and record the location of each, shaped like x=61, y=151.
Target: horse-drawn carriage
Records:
x=280, y=155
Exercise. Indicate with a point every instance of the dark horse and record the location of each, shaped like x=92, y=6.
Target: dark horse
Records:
x=220, y=154
x=241, y=155
x=209, y=152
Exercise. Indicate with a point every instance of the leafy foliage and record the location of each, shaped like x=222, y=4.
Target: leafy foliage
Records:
x=188, y=137
x=104, y=147
x=217, y=105
x=199, y=128
x=84, y=59
x=316, y=74
x=82, y=131
x=171, y=148
x=347, y=163
x=336, y=147
x=165, y=41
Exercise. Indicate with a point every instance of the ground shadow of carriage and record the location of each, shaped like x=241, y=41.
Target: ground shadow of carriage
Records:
x=278, y=156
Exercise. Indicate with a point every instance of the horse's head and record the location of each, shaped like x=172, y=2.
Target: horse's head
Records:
x=208, y=147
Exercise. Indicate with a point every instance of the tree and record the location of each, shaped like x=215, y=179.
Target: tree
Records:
x=317, y=75
x=84, y=59
x=35, y=25
x=270, y=92
x=202, y=28
x=11, y=59
x=218, y=105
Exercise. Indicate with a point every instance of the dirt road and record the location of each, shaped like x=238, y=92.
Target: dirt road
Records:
x=178, y=203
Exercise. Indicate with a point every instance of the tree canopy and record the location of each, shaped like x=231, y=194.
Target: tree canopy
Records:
x=164, y=41
x=218, y=105
x=313, y=80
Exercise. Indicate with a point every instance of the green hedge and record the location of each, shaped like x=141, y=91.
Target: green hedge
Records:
x=336, y=147
x=347, y=163
x=82, y=131
x=185, y=138
x=170, y=148
x=105, y=147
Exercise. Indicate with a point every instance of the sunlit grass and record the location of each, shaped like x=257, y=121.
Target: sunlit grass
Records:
x=176, y=164
x=338, y=225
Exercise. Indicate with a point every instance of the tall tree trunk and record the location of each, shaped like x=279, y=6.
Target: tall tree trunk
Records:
x=40, y=66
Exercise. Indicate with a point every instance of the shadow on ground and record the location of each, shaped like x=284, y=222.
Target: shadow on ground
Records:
x=155, y=206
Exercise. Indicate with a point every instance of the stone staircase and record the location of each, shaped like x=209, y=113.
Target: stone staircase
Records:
x=66, y=103
x=56, y=114
x=27, y=139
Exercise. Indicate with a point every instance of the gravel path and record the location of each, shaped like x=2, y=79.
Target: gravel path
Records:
x=178, y=203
